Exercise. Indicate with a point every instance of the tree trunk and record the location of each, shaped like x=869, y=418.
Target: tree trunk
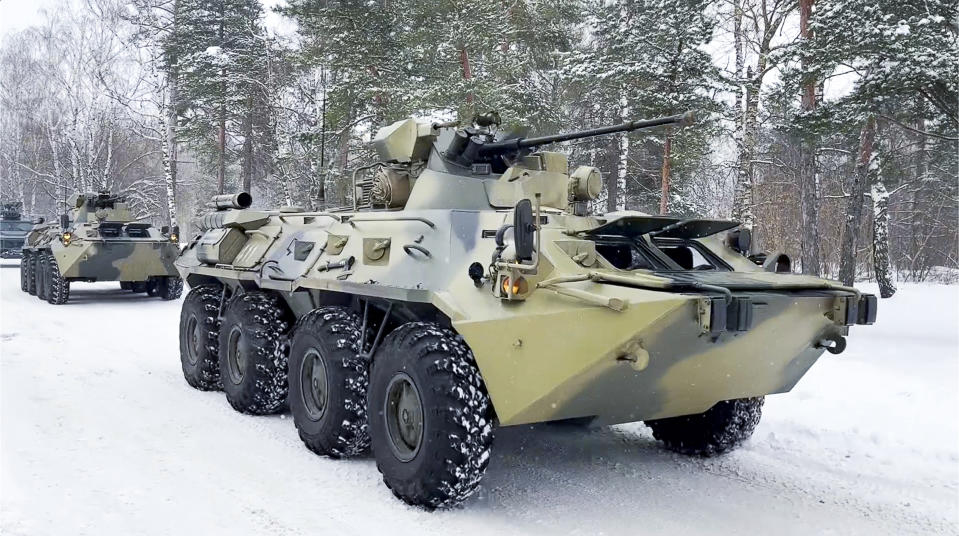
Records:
x=880, y=239
x=248, y=148
x=622, y=167
x=467, y=73
x=170, y=149
x=221, y=162
x=667, y=155
x=170, y=146
x=743, y=204
x=612, y=191
x=740, y=118
x=850, y=232
x=808, y=175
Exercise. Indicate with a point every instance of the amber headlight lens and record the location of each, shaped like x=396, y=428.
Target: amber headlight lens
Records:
x=174, y=238
x=519, y=286
x=66, y=238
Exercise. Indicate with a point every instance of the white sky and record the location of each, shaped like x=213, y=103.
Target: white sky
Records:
x=16, y=15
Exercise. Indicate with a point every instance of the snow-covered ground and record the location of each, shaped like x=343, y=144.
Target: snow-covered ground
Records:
x=101, y=435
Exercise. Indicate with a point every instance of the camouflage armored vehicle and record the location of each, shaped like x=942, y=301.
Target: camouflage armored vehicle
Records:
x=99, y=241
x=469, y=288
x=13, y=230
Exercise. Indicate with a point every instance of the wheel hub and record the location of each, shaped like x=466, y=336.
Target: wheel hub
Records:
x=404, y=417
x=314, y=384
x=236, y=360
x=193, y=340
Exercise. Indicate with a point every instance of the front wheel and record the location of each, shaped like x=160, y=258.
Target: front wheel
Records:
x=25, y=272
x=31, y=267
x=719, y=429
x=42, y=272
x=167, y=288
x=57, y=287
x=430, y=416
x=199, y=337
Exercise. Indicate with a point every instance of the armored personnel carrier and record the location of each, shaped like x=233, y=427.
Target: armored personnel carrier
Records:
x=13, y=230
x=469, y=288
x=99, y=241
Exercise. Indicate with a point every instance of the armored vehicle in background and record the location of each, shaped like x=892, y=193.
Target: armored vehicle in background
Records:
x=469, y=287
x=99, y=241
x=13, y=230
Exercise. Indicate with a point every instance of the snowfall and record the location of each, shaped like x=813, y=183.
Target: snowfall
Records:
x=100, y=435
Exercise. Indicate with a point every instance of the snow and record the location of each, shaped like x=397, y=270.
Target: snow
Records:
x=100, y=435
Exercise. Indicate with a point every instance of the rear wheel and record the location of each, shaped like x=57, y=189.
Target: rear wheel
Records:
x=719, y=429
x=199, y=343
x=58, y=291
x=430, y=416
x=328, y=381
x=253, y=366
x=167, y=288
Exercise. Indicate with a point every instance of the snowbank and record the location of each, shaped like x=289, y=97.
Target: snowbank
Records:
x=99, y=434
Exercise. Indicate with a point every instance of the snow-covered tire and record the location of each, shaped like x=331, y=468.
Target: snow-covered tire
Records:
x=425, y=372
x=328, y=381
x=25, y=272
x=138, y=286
x=199, y=337
x=719, y=429
x=42, y=274
x=58, y=287
x=253, y=365
x=167, y=288
x=31, y=267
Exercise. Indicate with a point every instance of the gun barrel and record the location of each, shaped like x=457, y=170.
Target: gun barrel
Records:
x=225, y=201
x=629, y=126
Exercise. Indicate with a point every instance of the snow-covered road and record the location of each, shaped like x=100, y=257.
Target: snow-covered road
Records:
x=101, y=435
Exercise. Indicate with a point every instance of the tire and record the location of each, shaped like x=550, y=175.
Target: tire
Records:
x=253, y=366
x=423, y=372
x=167, y=288
x=152, y=287
x=126, y=285
x=58, y=289
x=328, y=381
x=199, y=337
x=31, y=267
x=42, y=275
x=719, y=429
x=25, y=272
x=138, y=286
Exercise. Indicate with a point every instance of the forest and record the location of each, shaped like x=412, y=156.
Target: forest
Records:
x=828, y=127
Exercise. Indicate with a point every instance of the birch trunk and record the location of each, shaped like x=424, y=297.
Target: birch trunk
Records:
x=170, y=150
x=623, y=166
x=850, y=233
x=739, y=117
x=743, y=204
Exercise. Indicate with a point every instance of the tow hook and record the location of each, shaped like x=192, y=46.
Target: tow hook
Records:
x=834, y=344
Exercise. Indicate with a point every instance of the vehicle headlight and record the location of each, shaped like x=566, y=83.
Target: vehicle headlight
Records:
x=66, y=238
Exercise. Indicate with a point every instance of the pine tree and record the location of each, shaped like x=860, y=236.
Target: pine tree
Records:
x=901, y=53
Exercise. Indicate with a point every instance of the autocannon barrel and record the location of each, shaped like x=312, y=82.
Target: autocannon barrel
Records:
x=629, y=126
x=225, y=201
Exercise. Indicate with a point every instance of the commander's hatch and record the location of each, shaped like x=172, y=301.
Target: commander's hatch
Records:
x=661, y=227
